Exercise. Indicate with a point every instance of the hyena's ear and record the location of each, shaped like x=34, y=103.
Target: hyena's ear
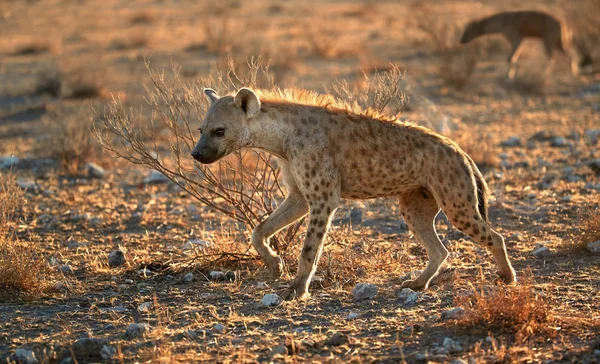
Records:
x=248, y=101
x=211, y=94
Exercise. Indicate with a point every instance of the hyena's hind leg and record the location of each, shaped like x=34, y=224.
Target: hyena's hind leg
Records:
x=465, y=215
x=419, y=209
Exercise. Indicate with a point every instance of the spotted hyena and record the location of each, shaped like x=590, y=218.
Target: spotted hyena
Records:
x=327, y=151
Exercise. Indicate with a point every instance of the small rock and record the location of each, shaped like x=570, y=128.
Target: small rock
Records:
x=566, y=198
x=58, y=286
x=364, y=291
x=95, y=171
x=219, y=328
x=107, y=352
x=230, y=276
x=188, y=277
x=155, y=177
x=541, y=252
x=26, y=356
x=558, y=142
x=542, y=136
x=337, y=339
x=271, y=299
x=597, y=353
x=279, y=350
x=217, y=276
x=513, y=141
x=129, y=281
x=595, y=166
x=261, y=285
x=195, y=244
x=88, y=348
x=8, y=162
x=144, y=272
x=458, y=361
x=65, y=269
x=593, y=135
x=136, y=330
x=594, y=247
x=144, y=306
x=453, y=314
x=75, y=245
x=28, y=185
x=420, y=356
x=352, y=316
x=356, y=216
x=116, y=258
x=109, y=327
x=452, y=346
x=409, y=296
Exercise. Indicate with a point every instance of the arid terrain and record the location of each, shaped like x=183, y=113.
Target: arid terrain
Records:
x=183, y=284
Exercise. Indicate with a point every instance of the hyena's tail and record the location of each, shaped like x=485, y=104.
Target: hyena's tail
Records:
x=482, y=191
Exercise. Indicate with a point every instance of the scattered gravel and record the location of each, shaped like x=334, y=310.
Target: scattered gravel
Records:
x=144, y=306
x=188, y=277
x=452, y=346
x=337, y=339
x=217, y=276
x=594, y=247
x=513, y=141
x=453, y=314
x=219, y=328
x=408, y=296
x=541, y=252
x=90, y=349
x=95, y=171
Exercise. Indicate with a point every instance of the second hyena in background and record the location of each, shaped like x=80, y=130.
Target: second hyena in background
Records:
x=517, y=25
x=328, y=150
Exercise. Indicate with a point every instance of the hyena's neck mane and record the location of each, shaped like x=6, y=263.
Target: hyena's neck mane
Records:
x=292, y=97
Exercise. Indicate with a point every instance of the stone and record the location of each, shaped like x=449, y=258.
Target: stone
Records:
x=452, y=346
x=541, y=252
x=195, y=244
x=453, y=314
x=144, y=306
x=356, y=216
x=593, y=135
x=567, y=198
x=26, y=356
x=28, y=185
x=95, y=171
x=188, y=277
x=558, y=142
x=408, y=296
x=513, y=141
x=458, y=361
x=8, y=162
x=219, y=328
x=595, y=166
x=337, y=339
x=271, y=299
x=107, y=352
x=155, y=177
x=364, y=291
x=65, y=269
x=217, y=276
x=230, y=276
x=279, y=350
x=261, y=285
x=352, y=316
x=88, y=348
x=136, y=330
x=116, y=258
x=594, y=247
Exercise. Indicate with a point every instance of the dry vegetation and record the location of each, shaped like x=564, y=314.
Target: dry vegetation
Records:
x=58, y=226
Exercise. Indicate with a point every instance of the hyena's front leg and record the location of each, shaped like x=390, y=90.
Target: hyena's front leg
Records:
x=320, y=214
x=293, y=208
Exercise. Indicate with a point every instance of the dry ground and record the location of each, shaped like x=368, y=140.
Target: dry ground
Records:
x=59, y=58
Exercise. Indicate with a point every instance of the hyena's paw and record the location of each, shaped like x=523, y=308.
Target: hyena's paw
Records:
x=294, y=292
x=415, y=285
x=508, y=278
x=276, y=268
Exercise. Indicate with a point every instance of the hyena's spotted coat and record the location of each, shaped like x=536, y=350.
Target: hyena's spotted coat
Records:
x=328, y=151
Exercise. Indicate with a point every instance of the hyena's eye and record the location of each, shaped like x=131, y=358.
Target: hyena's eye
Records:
x=219, y=132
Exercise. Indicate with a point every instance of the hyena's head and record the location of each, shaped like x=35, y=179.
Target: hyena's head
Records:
x=472, y=31
x=225, y=126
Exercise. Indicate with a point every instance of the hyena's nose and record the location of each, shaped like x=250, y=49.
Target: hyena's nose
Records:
x=197, y=155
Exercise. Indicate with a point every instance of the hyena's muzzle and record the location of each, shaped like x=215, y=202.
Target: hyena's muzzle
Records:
x=204, y=152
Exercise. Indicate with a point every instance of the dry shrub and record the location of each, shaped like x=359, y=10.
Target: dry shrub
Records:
x=504, y=309
x=457, y=62
x=244, y=185
x=589, y=226
x=143, y=17
x=323, y=39
x=480, y=148
x=131, y=41
x=71, y=143
x=23, y=272
x=81, y=83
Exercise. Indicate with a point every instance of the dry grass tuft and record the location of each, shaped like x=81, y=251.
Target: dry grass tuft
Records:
x=72, y=144
x=457, y=62
x=514, y=310
x=23, y=272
